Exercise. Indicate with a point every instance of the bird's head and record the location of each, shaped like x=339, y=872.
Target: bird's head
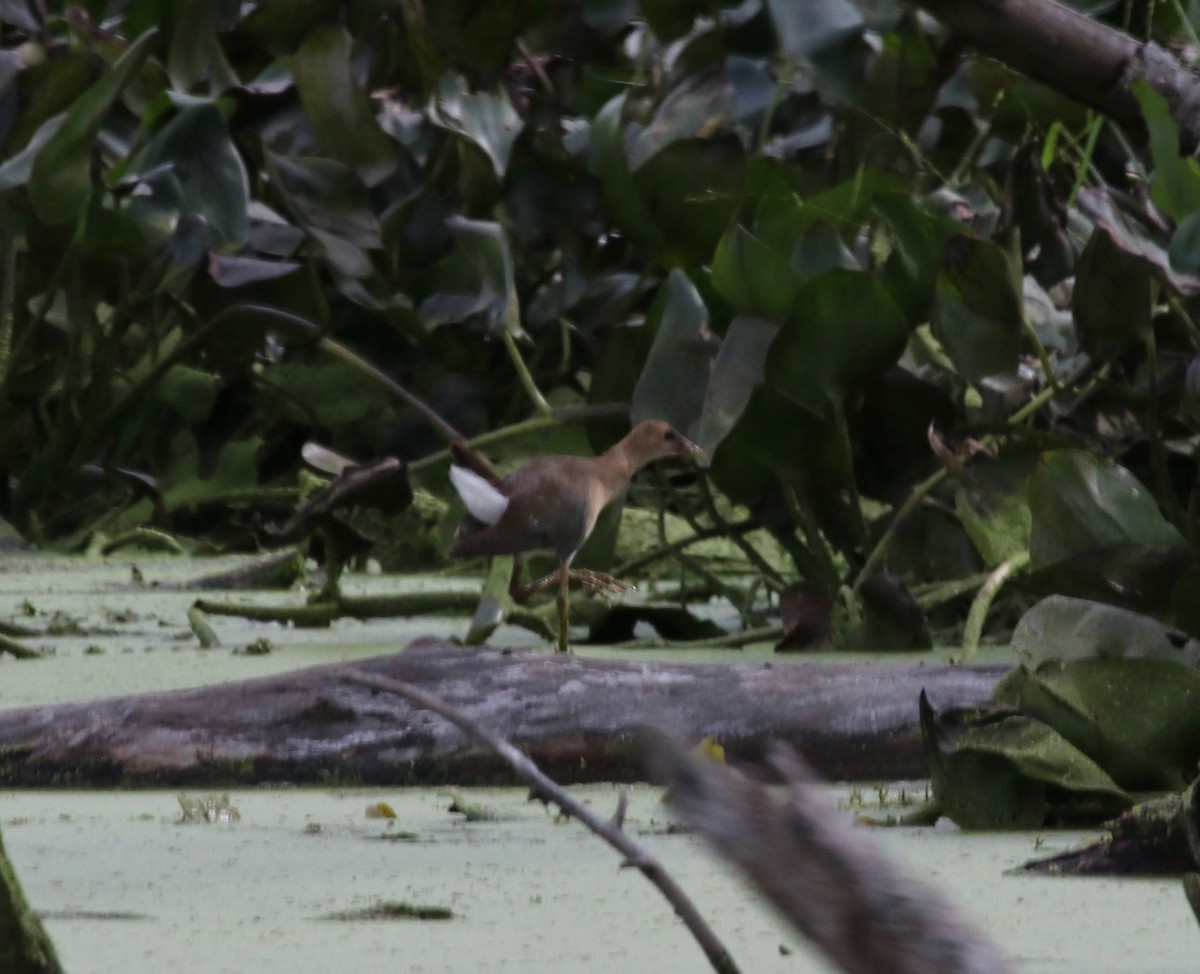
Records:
x=655, y=439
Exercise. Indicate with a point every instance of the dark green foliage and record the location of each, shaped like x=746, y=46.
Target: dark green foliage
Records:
x=803, y=233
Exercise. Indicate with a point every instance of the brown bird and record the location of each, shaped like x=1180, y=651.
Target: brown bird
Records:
x=551, y=504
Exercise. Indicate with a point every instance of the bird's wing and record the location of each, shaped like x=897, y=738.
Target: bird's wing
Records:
x=483, y=501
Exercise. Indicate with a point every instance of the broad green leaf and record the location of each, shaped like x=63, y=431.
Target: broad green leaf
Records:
x=189, y=391
x=195, y=57
x=1175, y=188
x=60, y=179
x=1137, y=718
x=191, y=167
x=1080, y=502
x=329, y=200
x=482, y=268
x=977, y=313
x=1063, y=628
x=340, y=112
x=235, y=469
x=480, y=36
x=1141, y=577
x=1006, y=771
x=736, y=96
x=998, y=525
x=844, y=327
x=15, y=170
x=694, y=189
x=806, y=29
x=487, y=119
x=608, y=161
x=736, y=372
x=670, y=19
x=1184, y=251
x=753, y=278
x=239, y=271
x=1113, y=297
x=676, y=374
x=914, y=264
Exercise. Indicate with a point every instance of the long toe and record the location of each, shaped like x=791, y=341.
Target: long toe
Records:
x=600, y=582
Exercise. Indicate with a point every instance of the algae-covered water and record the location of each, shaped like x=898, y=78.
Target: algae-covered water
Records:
x=126, y=886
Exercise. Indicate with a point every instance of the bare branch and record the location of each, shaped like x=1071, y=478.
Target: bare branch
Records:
x=718, y=956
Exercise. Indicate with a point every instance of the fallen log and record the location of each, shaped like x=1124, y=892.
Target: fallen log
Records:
x=576, y=717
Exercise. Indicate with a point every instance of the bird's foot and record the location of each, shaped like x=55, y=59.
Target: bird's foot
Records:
x=600, y=582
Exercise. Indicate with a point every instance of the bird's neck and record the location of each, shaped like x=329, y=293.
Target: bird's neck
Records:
x=617, y=466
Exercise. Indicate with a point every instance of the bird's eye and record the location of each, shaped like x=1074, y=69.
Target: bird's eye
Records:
x=670, y=436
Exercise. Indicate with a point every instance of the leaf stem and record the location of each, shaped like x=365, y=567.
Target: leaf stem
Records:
x=977, y=616
x=531, y=390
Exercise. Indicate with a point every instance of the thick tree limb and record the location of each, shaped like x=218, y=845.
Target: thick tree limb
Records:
x=828, y=880
x=1070, y=52
x=576, y=717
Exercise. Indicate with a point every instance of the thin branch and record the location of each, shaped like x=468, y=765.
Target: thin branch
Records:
x=718, y=956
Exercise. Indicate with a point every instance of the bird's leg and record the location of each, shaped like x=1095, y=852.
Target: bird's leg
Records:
x=519, y=592
x=564, y=608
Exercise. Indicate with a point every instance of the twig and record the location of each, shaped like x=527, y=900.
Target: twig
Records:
x=718, y=956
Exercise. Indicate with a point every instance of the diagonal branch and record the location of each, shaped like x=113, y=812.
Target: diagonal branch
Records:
x=610, y=831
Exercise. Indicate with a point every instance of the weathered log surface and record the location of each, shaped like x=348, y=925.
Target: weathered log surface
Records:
x=576, y=717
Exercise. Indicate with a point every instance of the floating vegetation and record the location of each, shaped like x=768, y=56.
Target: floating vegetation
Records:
x=260, y=647
x=207, y=808
x=471, y=811
x=393, y=910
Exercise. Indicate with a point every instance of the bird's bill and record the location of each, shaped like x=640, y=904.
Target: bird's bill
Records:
x=699, y=455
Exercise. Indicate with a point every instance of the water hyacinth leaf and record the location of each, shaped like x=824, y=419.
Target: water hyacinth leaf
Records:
x=486, y=119
x=232, y=272
x=234, y=469
x=1080, y=502
x=1137, y=576
x=844, y=327
x=195, y=56
x=608, y=160
x=998, y=525
x=737, y=95
x=1137, y=718
x=753, y=278
x=479, y=36
x=480, y=275
x=670, y=19
x=676, y=374
x=806, y=29
x=919, y=237
x=1065, y=628
x=977, y=313
x=736, y=372
x=1185, y=601
x=1002, y=770
x=1184, y=251
x=1113, y=297
x=60, y=179
x=15, y=170
x=191, y=167
x=694, y=188
x=1175, y=189
x=328, y=199
x=340, y=113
